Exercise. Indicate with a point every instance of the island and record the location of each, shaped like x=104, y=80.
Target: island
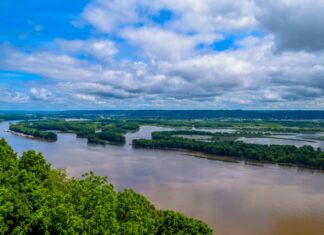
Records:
x=193, y=135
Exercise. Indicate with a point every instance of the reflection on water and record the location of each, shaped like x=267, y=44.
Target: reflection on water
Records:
x=232, y=197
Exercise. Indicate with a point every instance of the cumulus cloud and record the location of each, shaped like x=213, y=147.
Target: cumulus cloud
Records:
x=190, y=16
x=9, y=96
x=46, y=64
x=210, y=15
x=162, y=44
x=252, y=75
x=100, y=49
x=296, y=24
x=175, y=63
x=106, y=16
x=40, y=93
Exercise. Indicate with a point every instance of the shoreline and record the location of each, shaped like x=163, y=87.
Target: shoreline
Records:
x=20, y=134
x=27, y=136
x=234, y=159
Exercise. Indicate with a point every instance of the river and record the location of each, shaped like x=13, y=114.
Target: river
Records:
x=233, y=198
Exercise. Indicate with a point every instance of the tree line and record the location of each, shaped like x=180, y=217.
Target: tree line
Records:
x=305, y=156
x=36, y=199
x=96, y=132
x=25, y=129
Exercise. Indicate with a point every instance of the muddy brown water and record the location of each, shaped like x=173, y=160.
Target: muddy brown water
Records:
x=233, y=198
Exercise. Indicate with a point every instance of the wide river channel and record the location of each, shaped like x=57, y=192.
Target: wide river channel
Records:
x=234, y=198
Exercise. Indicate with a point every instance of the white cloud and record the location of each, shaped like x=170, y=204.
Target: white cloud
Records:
x=106, y=16
x=9, y=96
x=156, y=43
x=191, y=16
x=211, y=15
x=296, y=24
x=40, y=93
x=100, y=49
x=47, y=64
x=249, y=76
x=173, y=64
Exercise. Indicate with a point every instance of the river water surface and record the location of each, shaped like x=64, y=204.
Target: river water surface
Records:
x=233, y=198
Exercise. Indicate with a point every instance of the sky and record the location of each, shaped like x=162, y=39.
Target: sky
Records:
x=161, y=54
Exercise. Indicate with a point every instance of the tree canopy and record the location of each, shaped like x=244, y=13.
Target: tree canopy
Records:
x=224, y=144
x=35, y=199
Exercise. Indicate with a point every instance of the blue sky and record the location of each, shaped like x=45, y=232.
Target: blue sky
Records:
x=127, y=54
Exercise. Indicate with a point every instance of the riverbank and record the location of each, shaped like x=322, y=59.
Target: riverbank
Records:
x=22, y=135
x=231, y=197
x=305, y=156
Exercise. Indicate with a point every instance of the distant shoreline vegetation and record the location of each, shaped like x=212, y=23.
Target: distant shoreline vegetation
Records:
x=223, y=144
x=95, y=132
x=170, y=114
x=202, y=114
x=112, y=131
x=26, y=129
x=36, y=199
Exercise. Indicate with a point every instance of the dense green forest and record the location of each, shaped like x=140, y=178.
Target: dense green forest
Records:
x=24, y=128
x=216, y=136
x=277, y=121
x=101, y=131
x=98, y=132
x=269, y=115
x=35, y=199
x=200, y=114
x=239, y=125
x=305, y=156
x=16, y=116
x=121, y=125
x=169, y=114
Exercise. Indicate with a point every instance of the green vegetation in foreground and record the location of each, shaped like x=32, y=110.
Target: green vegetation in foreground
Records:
x=35, y=199
x=304, y=156
x=97, y=132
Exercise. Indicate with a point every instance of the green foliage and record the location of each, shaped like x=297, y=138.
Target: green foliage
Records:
x=305, y=156
x=95, y=132
x=137, y=214
x=34, y=163
x=176, y=223
x=217, y=136
x=249, y=125
x=35, y=199
x=112, y=135
x=130, y=126
x=26, y=129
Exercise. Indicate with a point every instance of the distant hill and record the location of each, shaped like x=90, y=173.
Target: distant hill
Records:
x=203, y=114
x=172, y=114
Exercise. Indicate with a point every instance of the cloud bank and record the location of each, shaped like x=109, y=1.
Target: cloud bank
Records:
x=185, y=54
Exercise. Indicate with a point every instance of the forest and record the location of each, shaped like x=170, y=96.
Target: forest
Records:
x=25, y=128
x=201, y=114
x=113, y=130
x=36, y=199
x=305, y=156
x=96, y=132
